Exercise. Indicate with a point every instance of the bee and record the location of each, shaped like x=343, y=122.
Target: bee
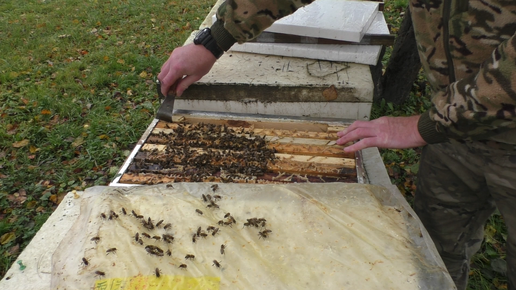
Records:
x=199, y=231
x=204, y=198
x=189, y=257
x=214, y=187
x=215, y=231
x=95, y=239
x=228, y=223
x=134, y=214
x=123, y=211
x=208, y=197
x=113, y=215
x=140, y=241
x=216, y=263
x=153, y=250
x=157, y=249
x=168, y=238
x=203, y=235
x=103, y=216
x=264, y=234
x=232, y=219
x=167, y=226
x=112, y=250
x=157, y=238
x=217, y=197
x=222, y=249
x=146, y=235
x=194, y=238
x=169, y=253
x=227, y=215
x=85, y=262
x=170, y=186
x=212, y=204
x=158, y=273
x=210, y=228
x=221, y=223
x=148, y=225
x=183, y=266
x=136, y=237
x=100, y=274
x=199, y=211
x=159, y=223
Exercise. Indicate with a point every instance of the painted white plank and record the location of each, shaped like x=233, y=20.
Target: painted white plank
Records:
x=363, y=54
x=331, y=19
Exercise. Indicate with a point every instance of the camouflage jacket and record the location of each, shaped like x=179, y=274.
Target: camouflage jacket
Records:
x=468, y=52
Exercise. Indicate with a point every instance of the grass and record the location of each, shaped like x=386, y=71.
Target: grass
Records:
x=76, y=93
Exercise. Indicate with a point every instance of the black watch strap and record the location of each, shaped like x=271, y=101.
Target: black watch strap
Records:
x=205, y=38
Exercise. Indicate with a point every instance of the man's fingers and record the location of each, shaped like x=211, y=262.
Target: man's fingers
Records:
x=183, y=84
x=355, y=125
x=362, y=144
x=168, y=80
x=356, y=134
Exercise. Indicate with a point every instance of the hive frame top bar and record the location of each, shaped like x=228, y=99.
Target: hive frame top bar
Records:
x=361, y=173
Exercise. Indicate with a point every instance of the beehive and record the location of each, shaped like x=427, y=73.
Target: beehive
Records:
x=214, y=149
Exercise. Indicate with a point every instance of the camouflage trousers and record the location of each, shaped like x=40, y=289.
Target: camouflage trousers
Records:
x=459, y=187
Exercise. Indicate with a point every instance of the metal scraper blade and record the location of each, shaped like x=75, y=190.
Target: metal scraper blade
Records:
x=167, y=106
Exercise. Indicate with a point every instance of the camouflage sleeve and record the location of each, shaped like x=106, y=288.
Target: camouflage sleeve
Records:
x=477, y=107
x=246, y=19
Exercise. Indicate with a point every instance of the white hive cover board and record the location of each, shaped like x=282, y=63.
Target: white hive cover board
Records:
x=363, y=54
x=331, y=19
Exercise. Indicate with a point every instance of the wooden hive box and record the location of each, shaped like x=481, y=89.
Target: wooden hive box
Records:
x=212, y=147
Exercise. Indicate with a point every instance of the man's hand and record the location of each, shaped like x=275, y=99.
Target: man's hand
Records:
x=384, y=132
x=186, y=65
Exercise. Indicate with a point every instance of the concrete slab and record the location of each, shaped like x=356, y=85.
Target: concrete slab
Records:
x=332, y=19
x=253, y=84
x=259, y=81
x=363, y=54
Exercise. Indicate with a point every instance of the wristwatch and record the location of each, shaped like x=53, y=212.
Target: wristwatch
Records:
x=205, y=38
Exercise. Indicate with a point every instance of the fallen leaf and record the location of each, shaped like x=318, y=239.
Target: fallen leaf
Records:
x=33, y=149
x=143, y=74
x=7, y=237
x=78, y=142
x=31, y=204
x=14, y=249
x=21, y=143
x=53, y=198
